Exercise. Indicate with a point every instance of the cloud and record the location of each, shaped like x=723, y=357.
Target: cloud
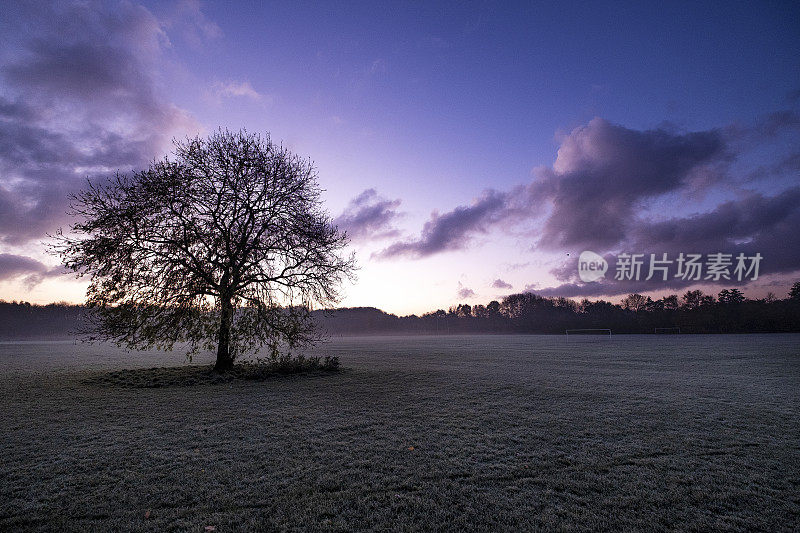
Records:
x=777, y=122
x=369, y=216
x=788, y=165
x=78, y=99
x=242, y=89
x=750, y=224
x=465, y=293
x=31, y=270
x=188, y=20
x=452, y=230
x=753, y=223
x=500, y=284
x=517, y=266
x=600, y=194
x=604, y=171
x=607, y=221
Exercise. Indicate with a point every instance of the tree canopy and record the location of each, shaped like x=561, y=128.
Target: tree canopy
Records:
x=225, y=245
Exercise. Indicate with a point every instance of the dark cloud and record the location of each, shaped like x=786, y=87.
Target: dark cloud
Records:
x=500, y=284
x=453, y=230
x=571, y=285
x=79, y=99
x=600, y=288
x=31, y=270
x=369, y=216
x=775, y=123
x=786, y=166
x=611, y=287
x=752, y=224
x=604, y=171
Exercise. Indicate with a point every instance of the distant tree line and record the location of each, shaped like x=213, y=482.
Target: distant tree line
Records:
x=527, y=312
x=23, y=320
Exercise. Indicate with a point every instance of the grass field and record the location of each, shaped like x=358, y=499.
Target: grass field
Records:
x=415, y=433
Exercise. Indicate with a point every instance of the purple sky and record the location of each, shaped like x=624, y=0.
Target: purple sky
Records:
x=470, y=151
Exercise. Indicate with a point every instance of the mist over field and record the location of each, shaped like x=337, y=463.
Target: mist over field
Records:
x=517, y=313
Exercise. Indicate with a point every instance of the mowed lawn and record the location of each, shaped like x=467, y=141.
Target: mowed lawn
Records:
x=415, y=433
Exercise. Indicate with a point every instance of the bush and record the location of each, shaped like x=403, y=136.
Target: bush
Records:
x=283, y=364
x=182, y=376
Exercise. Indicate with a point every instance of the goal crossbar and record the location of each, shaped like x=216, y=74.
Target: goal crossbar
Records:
x=670, y=330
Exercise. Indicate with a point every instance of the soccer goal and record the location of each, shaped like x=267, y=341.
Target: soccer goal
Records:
x=595, y=331
x=667, y=331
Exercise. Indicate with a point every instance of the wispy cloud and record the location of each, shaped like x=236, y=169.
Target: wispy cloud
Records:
x=452, y=230
x=500, y=284
x=30, y=270
x=187, y=19
x=465, y=293
x=238, y=89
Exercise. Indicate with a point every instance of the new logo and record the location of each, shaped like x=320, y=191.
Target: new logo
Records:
x=591, y=266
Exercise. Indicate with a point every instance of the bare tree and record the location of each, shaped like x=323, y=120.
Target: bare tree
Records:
x=225, y=245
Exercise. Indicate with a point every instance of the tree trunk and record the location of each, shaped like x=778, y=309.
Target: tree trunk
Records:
x=224, y=359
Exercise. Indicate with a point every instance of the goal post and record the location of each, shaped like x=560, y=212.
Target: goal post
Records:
x=589, y=331
x=673, y=330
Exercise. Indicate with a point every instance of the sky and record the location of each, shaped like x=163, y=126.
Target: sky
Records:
x=471, y=150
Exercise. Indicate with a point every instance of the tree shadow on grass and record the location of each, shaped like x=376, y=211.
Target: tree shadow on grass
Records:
x=185, y=376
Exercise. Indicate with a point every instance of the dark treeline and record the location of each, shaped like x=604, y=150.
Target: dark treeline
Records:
x=22, y=320
x=694, y=312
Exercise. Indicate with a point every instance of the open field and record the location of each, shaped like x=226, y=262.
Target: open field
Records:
x=449, y=433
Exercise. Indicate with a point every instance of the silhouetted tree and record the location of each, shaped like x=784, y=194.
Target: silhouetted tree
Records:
x=794, y=292
x=226, y=246
x=520, y=305
x=654, y=305
x=636, y=302
x=707, y=300
x=670, y=303
x=692, y=299
x=463, y=310
x=565, y=303
x=730, y=296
